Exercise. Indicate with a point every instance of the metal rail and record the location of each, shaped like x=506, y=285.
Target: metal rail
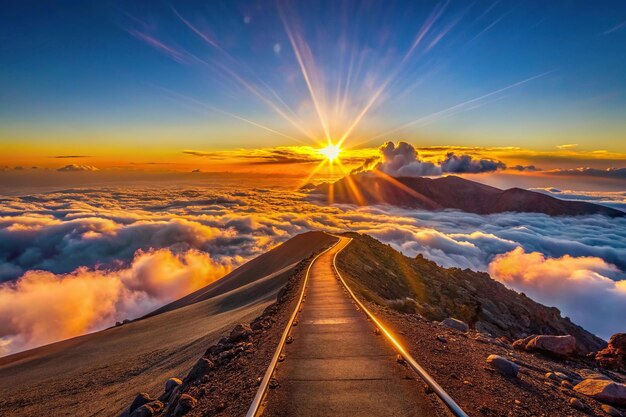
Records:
x=255, y=407
x=441, y=393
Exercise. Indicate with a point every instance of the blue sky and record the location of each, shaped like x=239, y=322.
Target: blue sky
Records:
x=78, y=70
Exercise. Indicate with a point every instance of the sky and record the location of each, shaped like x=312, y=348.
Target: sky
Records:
x=175, y=87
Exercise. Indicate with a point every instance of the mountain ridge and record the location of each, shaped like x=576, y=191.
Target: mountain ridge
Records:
x=450, y=192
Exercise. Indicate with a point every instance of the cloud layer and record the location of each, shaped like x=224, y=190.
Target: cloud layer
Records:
x=403, y=160
x=122, y=245
x=577, y=284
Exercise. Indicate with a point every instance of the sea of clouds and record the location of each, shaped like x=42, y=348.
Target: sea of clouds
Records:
x=76, y=261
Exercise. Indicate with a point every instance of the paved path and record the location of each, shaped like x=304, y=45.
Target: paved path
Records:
x=337, y=365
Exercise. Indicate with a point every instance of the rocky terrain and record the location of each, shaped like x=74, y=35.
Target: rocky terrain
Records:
x=387, y=277
x=450, y=192
x=549, y=372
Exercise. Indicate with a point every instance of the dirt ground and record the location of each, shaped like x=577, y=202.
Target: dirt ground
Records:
x=457, y=361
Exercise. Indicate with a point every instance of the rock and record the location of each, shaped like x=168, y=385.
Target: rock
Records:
x=240, y=332
x=442, y=339
x=201, y=367
x=185, y=403
x=614, y=355
x=576, y=403
x=553, y=345
x=566, y=384
x=520, y=344
x=591, y=374
x=503, y=366
x=148, y=410
x=141, y=399
x=455, y=324
x=612, y=411
x=143, y=411
x=172, y=383
x=603, y=390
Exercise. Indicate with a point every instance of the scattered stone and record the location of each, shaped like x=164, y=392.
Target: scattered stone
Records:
x=201, y=367
x=172, y=383
x=144, y=411
x=612, y=411
x=455, y=324
x=240, y=332
x=553, y=345
x=503, y=366
x=576, y=403
x=185, y=403
x=442, y=339
x=567, y=384
x=141, y=399
x=603, y=390
x=614, y=355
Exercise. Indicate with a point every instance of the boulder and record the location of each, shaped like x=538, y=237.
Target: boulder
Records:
x=455, y=324
x=520, y=344
x=612, y=411
x=201, y=367
x=614, y=355
x=553, y=345
x=603, y=390
x=185, y=403
x=503, y=365
x=172, y=383
x=141, y=399
x=240, y=332
x=143, y=411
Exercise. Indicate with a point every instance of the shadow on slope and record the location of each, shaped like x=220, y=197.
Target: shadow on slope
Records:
x=385, y=276
x=99, y=374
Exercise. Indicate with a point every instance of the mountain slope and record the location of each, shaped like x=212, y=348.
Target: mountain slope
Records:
x=99, y=374
x=387, y=277
x=451, y=192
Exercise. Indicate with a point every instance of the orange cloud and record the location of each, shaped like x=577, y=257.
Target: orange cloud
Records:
x=41, y=307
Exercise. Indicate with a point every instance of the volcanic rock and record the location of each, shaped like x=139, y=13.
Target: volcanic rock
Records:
x=603, y=390
x=185, y=403
x=240, y=332
x=141, y=399
x=455, y=324
x=172, y=383
x=503, y=366
x=553, y=345
x=614, y=355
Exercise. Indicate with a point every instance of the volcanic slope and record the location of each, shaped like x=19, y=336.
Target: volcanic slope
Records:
x=386, y=277
x=451, y=192
x=99, y=374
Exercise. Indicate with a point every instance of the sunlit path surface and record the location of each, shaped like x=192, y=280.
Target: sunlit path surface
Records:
x=337, y=365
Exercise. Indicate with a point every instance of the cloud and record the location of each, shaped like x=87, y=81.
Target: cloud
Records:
x=521, y=168
x=403, y=160
x=70, y=156
x=76, y=168
x=568, y=146
x=616, y=173
x=53, y=307
x=615, y=199
x=582, y=286
x=110, y=233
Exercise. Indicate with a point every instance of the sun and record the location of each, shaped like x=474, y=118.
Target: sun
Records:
x=331, y=152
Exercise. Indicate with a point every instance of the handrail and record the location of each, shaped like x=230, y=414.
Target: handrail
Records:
x=441, y=393
x=258, y=398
